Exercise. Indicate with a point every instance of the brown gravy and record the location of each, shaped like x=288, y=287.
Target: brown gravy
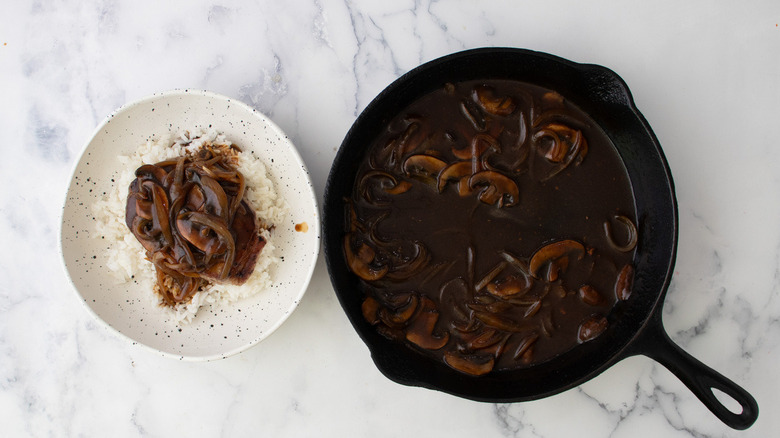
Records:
x=493, y=226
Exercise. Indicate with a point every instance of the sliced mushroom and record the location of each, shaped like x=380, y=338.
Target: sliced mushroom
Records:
x=480, y=144
x=496, y=105
x=557, y=149
x=624, y=282
x=370, y=309
x=401, y=187
x=589, y=295
x=553, y=97
x=497, y=188
x=359, y=263
x=392, y=333
x=200, y=237
x=216, y=202
x=554, y=270
x=455, y=171
x=196, y=198
x=555, y=252
x=423, y=166
x=402, y=313
x=475, y=365
x=591, y=328
x=222, y=236
x=145, y=233
x=140, y=191
x=560, y=145
x=421, y=328
x=464, y=189
x=510, y=286
x=155, y=171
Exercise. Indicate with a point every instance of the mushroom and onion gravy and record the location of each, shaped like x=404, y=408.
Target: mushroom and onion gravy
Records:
x=492, y=225
x=190, y=216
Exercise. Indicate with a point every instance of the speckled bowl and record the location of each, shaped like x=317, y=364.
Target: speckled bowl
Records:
x=214, y=333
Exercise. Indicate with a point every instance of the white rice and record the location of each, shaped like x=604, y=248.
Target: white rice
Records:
x=126, y=258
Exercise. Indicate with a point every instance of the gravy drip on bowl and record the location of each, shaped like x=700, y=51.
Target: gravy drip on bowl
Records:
x=190, y=217
x=492, y=225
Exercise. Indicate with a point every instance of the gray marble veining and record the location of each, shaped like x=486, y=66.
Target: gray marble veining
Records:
x=706, y=77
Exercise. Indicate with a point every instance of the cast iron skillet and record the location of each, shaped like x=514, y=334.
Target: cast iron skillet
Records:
x=635, y=326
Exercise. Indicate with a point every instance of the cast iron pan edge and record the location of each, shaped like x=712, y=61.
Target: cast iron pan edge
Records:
x=637, y=326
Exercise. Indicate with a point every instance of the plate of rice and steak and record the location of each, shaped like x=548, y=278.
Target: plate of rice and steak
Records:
x=190, y=225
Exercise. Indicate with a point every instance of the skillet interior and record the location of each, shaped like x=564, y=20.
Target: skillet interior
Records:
x=607, y=100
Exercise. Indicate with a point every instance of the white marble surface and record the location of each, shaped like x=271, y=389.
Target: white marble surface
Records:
x=705, y=74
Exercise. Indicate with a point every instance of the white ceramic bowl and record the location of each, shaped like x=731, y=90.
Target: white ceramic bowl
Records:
x=127, y=309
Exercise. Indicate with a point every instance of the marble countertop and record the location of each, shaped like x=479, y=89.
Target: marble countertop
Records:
x=705, y=75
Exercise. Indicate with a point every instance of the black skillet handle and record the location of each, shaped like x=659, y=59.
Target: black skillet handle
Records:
x=699, y=378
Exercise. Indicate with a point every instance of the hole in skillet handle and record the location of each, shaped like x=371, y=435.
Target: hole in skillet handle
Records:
x=702, y=380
